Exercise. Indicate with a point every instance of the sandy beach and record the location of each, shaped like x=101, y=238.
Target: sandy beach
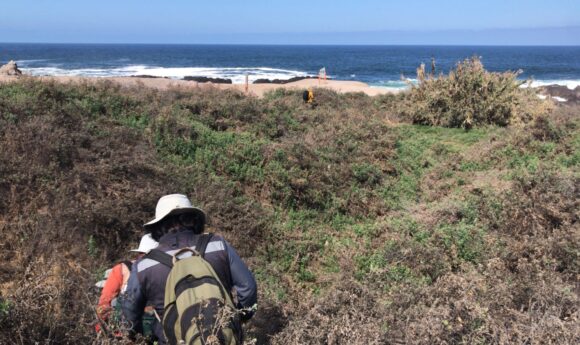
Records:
x=341, y=86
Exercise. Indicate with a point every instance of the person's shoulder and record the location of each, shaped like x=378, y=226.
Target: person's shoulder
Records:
x=217, y=243
x=118, y=267
x=143, y=264
x=215, y=237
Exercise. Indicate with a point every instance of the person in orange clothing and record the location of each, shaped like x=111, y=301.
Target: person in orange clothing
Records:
x=116, y=283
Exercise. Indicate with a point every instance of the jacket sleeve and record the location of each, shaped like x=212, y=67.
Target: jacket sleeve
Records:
x=133, y=302
x=243, y=281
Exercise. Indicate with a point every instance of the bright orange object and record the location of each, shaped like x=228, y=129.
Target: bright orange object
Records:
x=114, y=284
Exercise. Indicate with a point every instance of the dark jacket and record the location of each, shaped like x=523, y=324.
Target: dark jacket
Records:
x=146, y=284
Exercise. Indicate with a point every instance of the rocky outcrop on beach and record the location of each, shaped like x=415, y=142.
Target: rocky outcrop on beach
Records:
x=562, y=93
x=280, y=81
x=208, y=80
x=147, y=76
x=11, y=68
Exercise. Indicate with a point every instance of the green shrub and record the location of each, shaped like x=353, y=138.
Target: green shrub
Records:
x=470, y=96
x=366, y=173
x=4, y=307
x=463, y=241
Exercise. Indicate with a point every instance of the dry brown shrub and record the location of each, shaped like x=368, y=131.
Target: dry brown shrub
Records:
x=495, y=307
x=339, y=136
x=266, y=323
x=543, y=128
x=237, y=219
x=223, y=109
x=542, y=202
x=349, y=314
x=524, y=292
x=74, y=196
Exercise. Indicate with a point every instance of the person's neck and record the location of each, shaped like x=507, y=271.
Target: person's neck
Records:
x=175, y=234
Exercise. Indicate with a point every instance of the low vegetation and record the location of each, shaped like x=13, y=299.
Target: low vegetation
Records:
x=361, y=225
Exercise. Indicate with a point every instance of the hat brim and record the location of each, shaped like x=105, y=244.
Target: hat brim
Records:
x=177, y=211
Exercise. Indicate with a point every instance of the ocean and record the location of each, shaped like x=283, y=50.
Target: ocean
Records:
x=380, y=66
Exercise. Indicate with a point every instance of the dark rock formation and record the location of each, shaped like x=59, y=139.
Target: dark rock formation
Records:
x=10, y=69
x=147, y=76
x=571, y=96
x=208, y=80
x=280, y=81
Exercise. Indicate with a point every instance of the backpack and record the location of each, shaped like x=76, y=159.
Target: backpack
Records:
x=197, y=308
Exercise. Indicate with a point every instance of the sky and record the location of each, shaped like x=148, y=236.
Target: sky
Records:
x=451, y=22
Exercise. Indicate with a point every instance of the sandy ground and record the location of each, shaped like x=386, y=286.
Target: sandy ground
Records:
x=255, y=89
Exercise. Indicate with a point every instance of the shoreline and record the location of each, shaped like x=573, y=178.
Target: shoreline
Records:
x=560, y=93
x=340, y=86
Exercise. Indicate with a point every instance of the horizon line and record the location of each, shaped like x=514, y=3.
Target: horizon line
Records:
x=302, y=44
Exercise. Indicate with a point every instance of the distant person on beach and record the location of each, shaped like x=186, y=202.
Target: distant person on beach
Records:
x=108, y=309
x=308, y=96
x=183, y=246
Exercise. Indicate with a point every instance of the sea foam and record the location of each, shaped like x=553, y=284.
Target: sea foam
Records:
x=236, y=74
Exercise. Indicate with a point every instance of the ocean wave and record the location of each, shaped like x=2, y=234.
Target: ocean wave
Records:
x=83, y=72
x=404, y=84
x=236, y=74
x=394, y=84
x=26, y=62
x=389, y=88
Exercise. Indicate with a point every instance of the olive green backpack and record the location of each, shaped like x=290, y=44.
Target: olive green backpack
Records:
x=198, y=310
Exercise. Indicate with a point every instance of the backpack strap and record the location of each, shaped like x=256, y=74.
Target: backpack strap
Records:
x=202, y=243
x=161, y=257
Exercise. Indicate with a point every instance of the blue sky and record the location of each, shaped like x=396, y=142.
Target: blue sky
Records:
x=293, y=22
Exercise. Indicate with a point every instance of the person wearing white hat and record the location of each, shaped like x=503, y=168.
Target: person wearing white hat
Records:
x=145, y=245
x=178, y=225
x=174, y=212
x=116, y=280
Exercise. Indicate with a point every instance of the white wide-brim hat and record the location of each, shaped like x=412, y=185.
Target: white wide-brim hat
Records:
x=147, y=243
x=174, y=204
